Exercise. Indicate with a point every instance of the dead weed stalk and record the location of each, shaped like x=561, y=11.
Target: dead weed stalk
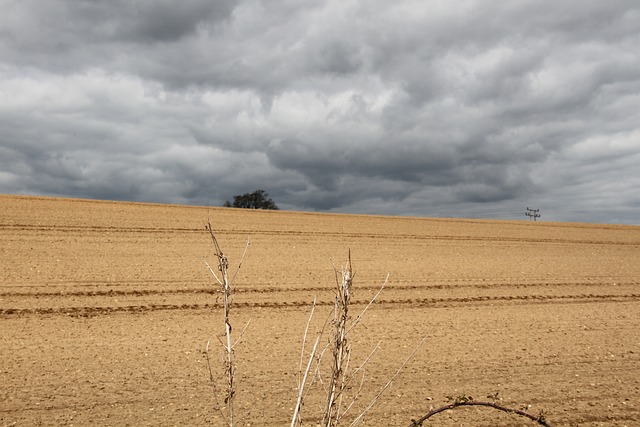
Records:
x=226, y=289
x=341, y=376
x=340, y=349
x=338, y=346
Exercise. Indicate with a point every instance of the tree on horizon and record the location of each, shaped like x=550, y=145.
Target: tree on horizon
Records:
x=259, y=199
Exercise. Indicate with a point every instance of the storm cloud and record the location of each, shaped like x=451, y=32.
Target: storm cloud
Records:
x=450, y=109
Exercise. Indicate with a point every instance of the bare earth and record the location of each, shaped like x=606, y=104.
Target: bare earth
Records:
x=106, y=308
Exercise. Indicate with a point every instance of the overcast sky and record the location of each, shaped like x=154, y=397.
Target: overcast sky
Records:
x=472, y=109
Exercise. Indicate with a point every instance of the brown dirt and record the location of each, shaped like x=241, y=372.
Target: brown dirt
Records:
x=106, y=307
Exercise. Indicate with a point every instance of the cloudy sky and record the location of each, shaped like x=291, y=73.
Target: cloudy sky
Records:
x=473, y=109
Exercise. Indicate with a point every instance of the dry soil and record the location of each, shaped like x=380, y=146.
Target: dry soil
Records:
x=106, y=308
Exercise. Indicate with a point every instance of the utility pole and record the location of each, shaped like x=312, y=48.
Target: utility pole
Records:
x=533, y=213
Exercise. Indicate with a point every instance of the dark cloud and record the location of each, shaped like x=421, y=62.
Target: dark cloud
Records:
x=476, y=109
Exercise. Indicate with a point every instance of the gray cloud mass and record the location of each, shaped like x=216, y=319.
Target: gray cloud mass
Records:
x=470, y=109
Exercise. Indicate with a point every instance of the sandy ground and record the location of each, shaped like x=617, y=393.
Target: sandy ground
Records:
x=106, y=308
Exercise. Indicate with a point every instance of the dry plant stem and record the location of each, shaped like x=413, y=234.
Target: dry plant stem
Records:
x=246, y=248
x=227, y=293
x=539, y=419
x=343, y=385
x=357, y=319
x=299, y=402
x=340, y=349
x=213, y=381
x=353, y=374
x=242, y=333
x=229, y=366
x=304, y=339
x=302, y=381
x=386, y=386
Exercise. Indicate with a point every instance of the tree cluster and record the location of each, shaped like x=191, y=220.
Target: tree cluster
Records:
x=259, y=199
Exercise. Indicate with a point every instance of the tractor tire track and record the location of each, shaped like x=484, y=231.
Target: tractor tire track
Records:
x=91, y=311
x=77, y=229
x=211, y=290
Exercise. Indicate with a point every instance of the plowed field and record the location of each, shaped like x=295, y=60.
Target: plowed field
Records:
x=106, y=308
